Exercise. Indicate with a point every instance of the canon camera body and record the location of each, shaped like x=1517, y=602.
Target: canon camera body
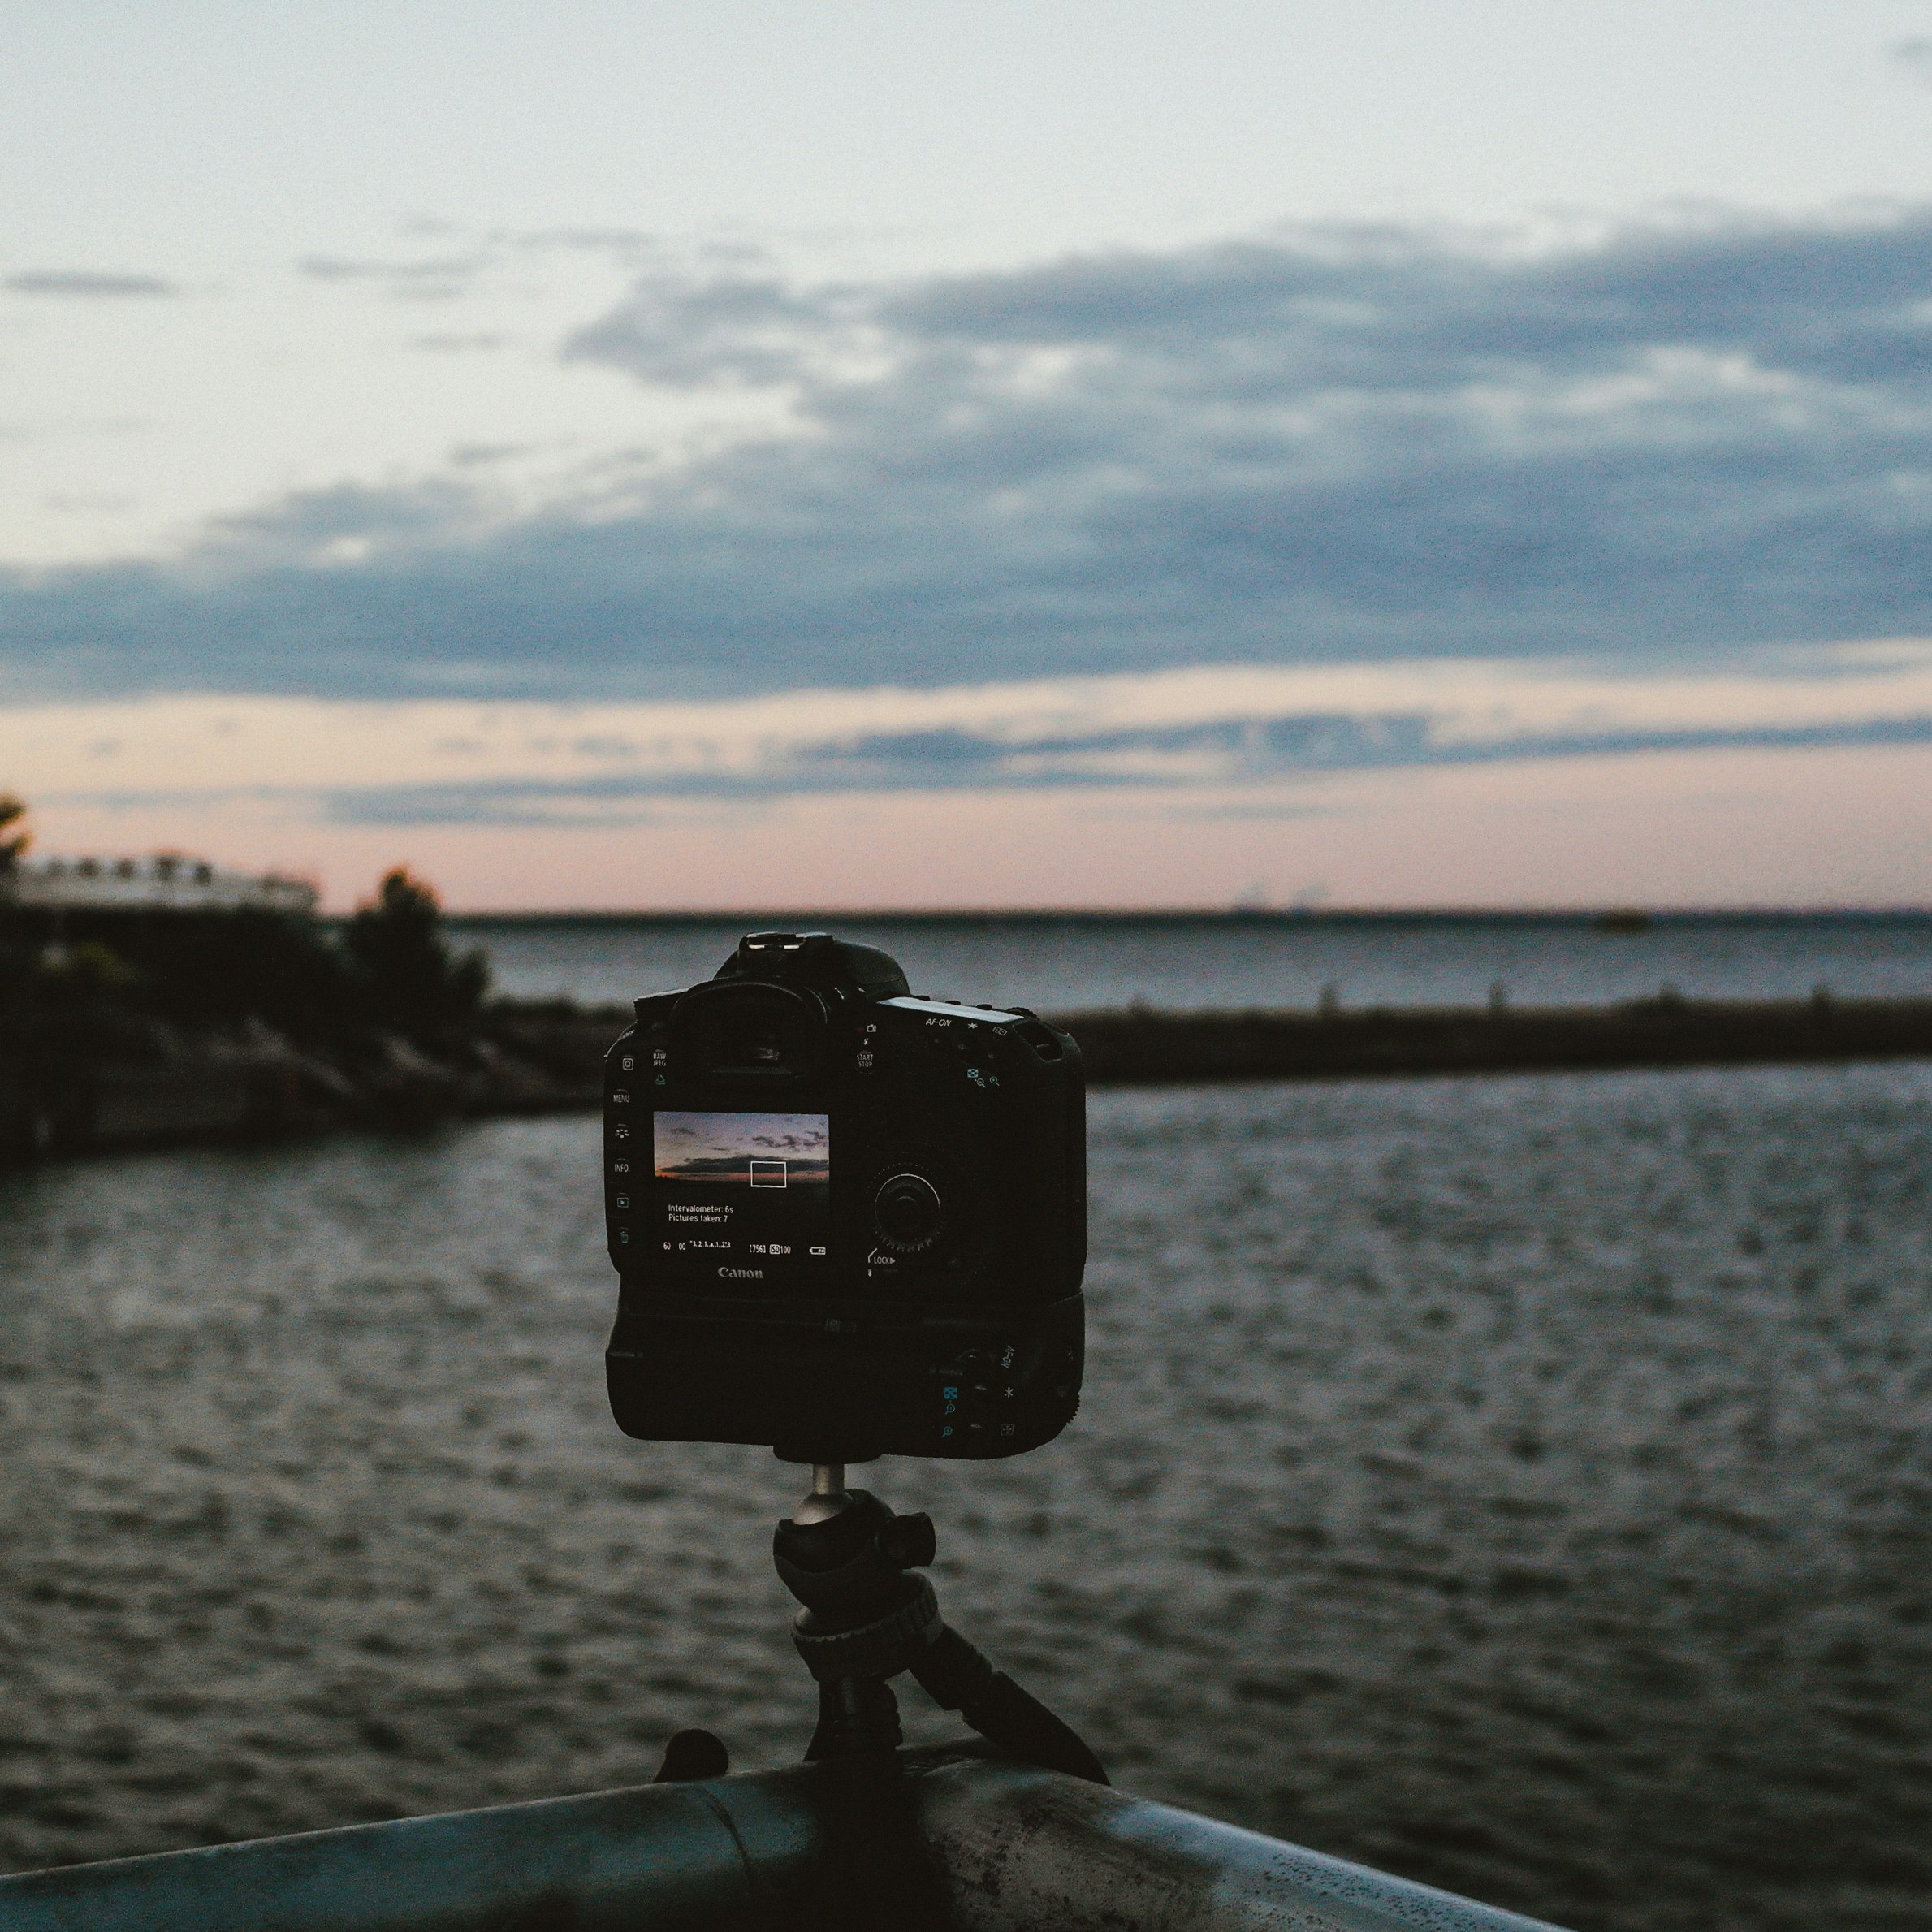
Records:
x=846, y=1221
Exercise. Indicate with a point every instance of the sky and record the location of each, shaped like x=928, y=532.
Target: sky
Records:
x=861, y=455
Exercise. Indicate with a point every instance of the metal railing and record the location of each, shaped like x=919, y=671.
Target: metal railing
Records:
x=1015, y=1849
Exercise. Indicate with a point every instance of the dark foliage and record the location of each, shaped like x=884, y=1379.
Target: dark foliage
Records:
x=410, y=980
x=14, y=838
x=65, y=975
x=195, y=969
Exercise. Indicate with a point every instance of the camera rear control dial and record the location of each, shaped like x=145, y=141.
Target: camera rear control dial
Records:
x=908, y=1214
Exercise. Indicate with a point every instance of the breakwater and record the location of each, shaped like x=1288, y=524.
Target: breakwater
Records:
x=172, y=1088
x=1142, y=1047
x=160, y=1086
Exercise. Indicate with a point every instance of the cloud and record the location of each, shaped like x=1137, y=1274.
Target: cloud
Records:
x=1233, y=756
x=87, y=285
x=1912, y=57
x=1670, y=445
x=1241, y=757
x=1255, y=737
x=624, y=243
x=473, y=455
x=734, y=329
x=457, y=343
x=428, y=278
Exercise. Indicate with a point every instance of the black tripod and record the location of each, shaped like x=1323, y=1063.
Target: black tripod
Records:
x=847, y=1558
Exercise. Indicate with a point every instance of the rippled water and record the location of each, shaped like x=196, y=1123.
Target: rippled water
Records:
x=1526, y=1486
x=1064, y=965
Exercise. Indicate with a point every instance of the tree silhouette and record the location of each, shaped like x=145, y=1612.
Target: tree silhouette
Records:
x=15, y=837
x=411, y=979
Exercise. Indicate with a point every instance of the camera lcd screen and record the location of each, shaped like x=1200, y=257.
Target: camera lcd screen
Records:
x=741, y=1197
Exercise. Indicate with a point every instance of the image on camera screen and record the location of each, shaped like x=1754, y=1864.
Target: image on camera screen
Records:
x=734, y=1191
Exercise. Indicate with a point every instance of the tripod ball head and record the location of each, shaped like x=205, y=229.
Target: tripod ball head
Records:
x=848, y=1565
x=847, y=1557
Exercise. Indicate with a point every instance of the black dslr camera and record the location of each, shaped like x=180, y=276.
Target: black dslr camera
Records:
x=847, y=1222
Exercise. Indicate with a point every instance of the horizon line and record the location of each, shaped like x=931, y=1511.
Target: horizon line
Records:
x=777, y=917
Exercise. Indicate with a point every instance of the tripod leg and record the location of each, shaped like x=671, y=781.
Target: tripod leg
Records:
x=823, y=1730
x=693, y=1754
x=848, y=1559
x=958, y=1677
x=873, y=1878
x=859, y=1719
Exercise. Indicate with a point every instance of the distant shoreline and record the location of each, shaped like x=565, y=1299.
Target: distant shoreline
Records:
x=546, y=1056
x=1613, y=920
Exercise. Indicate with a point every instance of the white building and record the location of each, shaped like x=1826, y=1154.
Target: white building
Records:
x=169, y=882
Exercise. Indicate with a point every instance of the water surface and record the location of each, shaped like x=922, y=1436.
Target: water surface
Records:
x=1066, y=964
x=1523, y=1484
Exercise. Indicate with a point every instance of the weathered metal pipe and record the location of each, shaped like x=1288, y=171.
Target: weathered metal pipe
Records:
x=735, y=1851
x=1015, y=1849
x=1019, y=1849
